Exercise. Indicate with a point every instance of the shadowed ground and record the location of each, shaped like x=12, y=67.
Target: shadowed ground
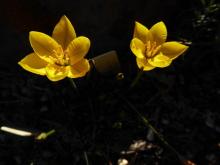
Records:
x=181, y=101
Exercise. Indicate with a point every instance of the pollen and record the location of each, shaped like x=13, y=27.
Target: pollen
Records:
x=61, y=57
x=151, y=49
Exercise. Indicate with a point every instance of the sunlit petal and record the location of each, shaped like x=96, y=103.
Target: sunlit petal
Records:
x=55, y=72
x=137, y=47
x=141, y=32
x=64, y=32
x=79, y=69
x=34, y=64
x=173, y=49
x=77, y=49
x=160, y=60
x=142, y=63
x=159, y=32
x=44, y=46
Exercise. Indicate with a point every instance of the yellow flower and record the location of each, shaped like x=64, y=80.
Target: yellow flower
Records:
x=59, y=56
x=150, y=48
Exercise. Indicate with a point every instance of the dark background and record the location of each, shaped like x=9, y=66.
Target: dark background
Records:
x=181, y=101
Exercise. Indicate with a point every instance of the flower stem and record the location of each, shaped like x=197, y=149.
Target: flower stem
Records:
x=148, y=124
x=73, y=84
x=86, y=158
x=137, y=78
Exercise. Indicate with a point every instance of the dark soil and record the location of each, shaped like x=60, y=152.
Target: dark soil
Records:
x=100, y=120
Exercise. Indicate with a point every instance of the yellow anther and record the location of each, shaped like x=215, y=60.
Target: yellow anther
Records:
x=60, y=57
x=148, y=46
x=151, y=49
x=156, y=50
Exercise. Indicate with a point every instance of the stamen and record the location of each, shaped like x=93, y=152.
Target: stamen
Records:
x=52, y=59
x=61, y=57
x=153, y=46
x=148, y=45
x=66, y=56
x=156, y=50
x=151, y=49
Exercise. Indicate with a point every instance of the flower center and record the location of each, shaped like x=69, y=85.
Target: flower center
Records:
x=151, y=49
x=61, y=57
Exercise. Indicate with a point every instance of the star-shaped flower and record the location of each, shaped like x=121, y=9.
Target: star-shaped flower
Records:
x=59, y=56
x=150, y=48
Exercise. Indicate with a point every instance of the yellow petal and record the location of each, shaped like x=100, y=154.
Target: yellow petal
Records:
x=44, y=46
x=142, y=63
x=34, y=64
x=173, y=49
x=159, y=32
x=160, y=60
x=64, y=32
x=55, y=72
x=77, y=49
x=141, y=32
x=138, y=48
x=79, y=69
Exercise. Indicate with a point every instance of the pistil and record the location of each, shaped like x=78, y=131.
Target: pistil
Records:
x=151, y=49
x=61, y=57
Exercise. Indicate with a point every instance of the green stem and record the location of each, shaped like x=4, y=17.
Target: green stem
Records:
x=50, y=132
x=86, y=157
x=137, y=78
x=73, y=84
x=147, y=123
